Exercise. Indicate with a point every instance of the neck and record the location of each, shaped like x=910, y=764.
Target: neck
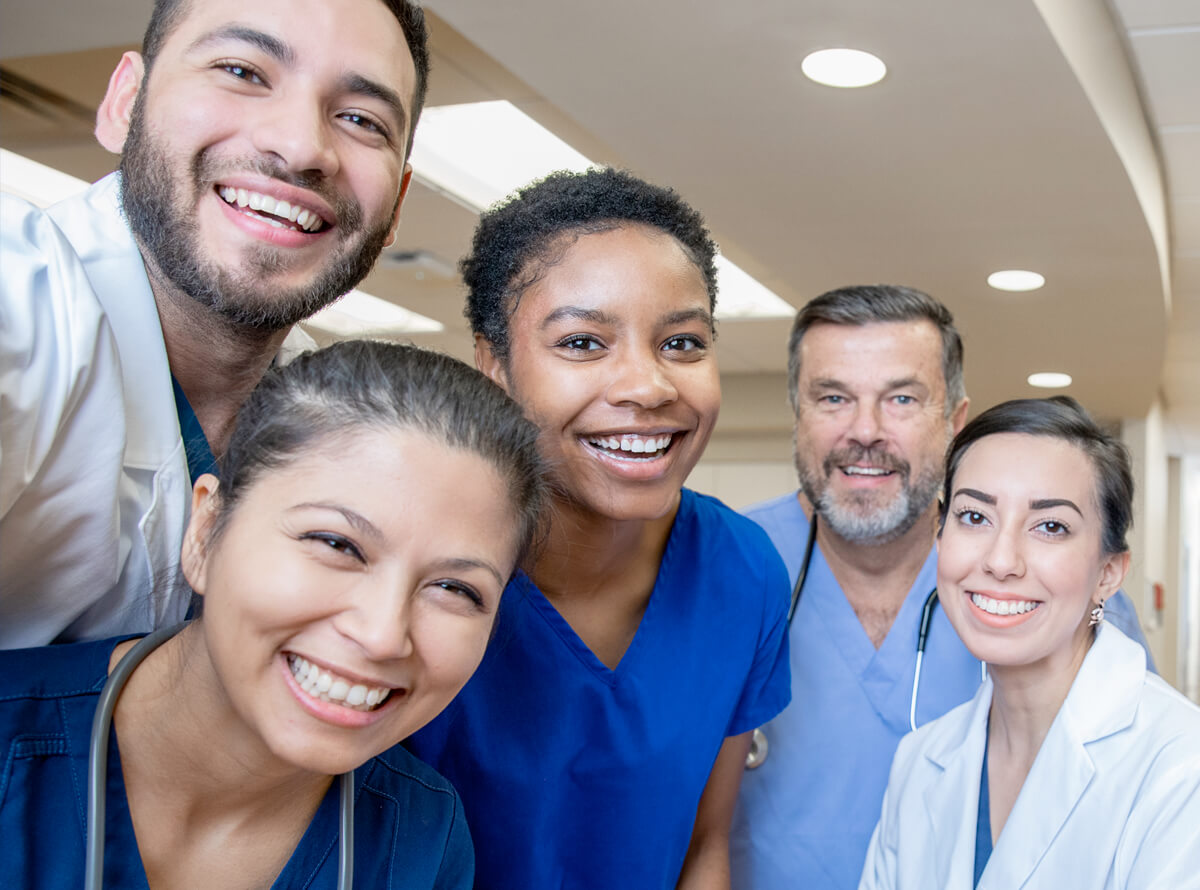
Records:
x=586, y=554
x=1026, y=698
x=216, y=364
x=878, y=572
x=185, y=750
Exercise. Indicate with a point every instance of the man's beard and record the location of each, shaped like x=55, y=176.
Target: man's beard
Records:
x=161, y=213
x=857, y=516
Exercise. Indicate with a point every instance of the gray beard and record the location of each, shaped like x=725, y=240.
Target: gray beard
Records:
x=857, y=518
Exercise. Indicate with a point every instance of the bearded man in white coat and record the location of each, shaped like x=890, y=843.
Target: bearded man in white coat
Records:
x=263, y=164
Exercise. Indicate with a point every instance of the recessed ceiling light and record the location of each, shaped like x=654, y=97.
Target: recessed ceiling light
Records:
x=1050, y=380
x=843, y=67
x=1016, y=280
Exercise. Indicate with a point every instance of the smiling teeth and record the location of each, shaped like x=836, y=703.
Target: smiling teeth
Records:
x=323, y=685
x=1003, y=607
x=865, y=471
x=277, y=210
x=644, y=445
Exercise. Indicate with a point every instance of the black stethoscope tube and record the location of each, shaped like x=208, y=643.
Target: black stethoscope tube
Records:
x=98, y=770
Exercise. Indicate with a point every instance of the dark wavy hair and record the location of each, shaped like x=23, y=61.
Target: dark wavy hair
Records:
x=168, y=14
x=519, y=238
x=1059, y=417
x=360, y=384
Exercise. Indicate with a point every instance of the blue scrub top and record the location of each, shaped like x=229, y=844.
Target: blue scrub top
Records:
x=409, y=829
x=195, y=444
x=578, y=776
x=805, y=817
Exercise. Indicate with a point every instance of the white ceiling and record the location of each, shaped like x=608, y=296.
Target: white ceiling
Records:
x=991, y=144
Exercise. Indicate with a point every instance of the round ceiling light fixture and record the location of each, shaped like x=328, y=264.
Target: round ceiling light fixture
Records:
x=843, y=67
x=1016, y=280
x=1049, y=380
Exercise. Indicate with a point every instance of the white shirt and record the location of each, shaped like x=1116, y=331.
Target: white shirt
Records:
x=1112, y=801
x=94, y=487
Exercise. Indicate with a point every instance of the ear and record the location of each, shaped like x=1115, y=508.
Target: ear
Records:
x=194, y=557
x=489, y=364
x=958, y=417
x=115, y=112
x=1112, y=574
x=405, y=181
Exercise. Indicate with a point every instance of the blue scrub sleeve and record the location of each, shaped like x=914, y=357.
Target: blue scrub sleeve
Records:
x=768, y=686
x=458, y=859
x=1120, y=611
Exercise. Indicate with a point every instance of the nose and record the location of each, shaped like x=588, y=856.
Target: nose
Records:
x=866, y=428
x=1003, y=558
x=293, y=125
x=643, y=380
x=379, y=620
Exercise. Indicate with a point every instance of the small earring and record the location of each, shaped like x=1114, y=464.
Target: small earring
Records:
x=1097, y=614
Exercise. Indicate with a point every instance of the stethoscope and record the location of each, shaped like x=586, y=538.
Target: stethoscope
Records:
x=98, y=770
x=758, y=739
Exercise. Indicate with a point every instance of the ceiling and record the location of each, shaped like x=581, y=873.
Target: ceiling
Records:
x=1056, y=135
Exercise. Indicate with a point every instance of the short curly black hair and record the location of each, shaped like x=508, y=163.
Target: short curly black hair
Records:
x=519, y=238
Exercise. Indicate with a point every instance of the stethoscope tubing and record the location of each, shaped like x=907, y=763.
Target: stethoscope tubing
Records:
x=98, y=771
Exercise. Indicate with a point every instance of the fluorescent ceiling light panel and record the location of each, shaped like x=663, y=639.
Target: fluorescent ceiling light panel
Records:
x=480, y=152
x=358, y=314
x=1049, y=380
x=1016, y=280
x=843, y=67
x=36, y=183
x=741, y=296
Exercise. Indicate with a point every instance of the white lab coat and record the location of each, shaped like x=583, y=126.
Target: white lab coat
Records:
x=94, y=487
x=1112, y=801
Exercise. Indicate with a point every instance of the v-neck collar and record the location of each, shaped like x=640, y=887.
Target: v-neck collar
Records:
x=575, y=644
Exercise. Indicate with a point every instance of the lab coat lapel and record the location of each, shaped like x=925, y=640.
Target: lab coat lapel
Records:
x=1102, y=700
x=952, y=799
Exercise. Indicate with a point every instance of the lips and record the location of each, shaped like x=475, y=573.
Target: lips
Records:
x=328, y=686
x=278, y=213
x=632, y=446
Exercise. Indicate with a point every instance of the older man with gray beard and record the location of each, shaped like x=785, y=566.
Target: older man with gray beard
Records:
x=876, y=383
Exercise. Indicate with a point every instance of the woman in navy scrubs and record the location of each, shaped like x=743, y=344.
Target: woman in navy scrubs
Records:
x=602, y=741
x=373, y=502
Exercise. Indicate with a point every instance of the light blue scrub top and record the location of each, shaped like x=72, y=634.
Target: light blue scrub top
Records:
x=805, y=817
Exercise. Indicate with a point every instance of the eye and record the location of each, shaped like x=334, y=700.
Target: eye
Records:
x=460, y=589
x=684, y=343
x=1052, y=528
x=832, y=400
x=336, y=543
x=904, y=400
x=969, y=517
x=580, y=343
x=358, y=119
x=241, y=71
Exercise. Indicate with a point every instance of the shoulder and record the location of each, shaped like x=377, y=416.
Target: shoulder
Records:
x=707, y=517
x=398, y=770
x=55, y=672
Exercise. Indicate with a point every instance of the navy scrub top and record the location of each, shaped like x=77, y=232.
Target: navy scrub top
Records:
x=409, y=829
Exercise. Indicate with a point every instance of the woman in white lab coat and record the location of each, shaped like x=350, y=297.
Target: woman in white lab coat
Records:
x=1072, y=766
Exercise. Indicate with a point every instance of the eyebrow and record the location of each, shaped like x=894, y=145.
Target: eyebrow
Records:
x=461, y=562
x=272, y=46
x=356, y=84
x=1047, y=503
x=357, y=520
x=578, y=313
x=683, y=316
x=977, y=495
x=364, y=86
